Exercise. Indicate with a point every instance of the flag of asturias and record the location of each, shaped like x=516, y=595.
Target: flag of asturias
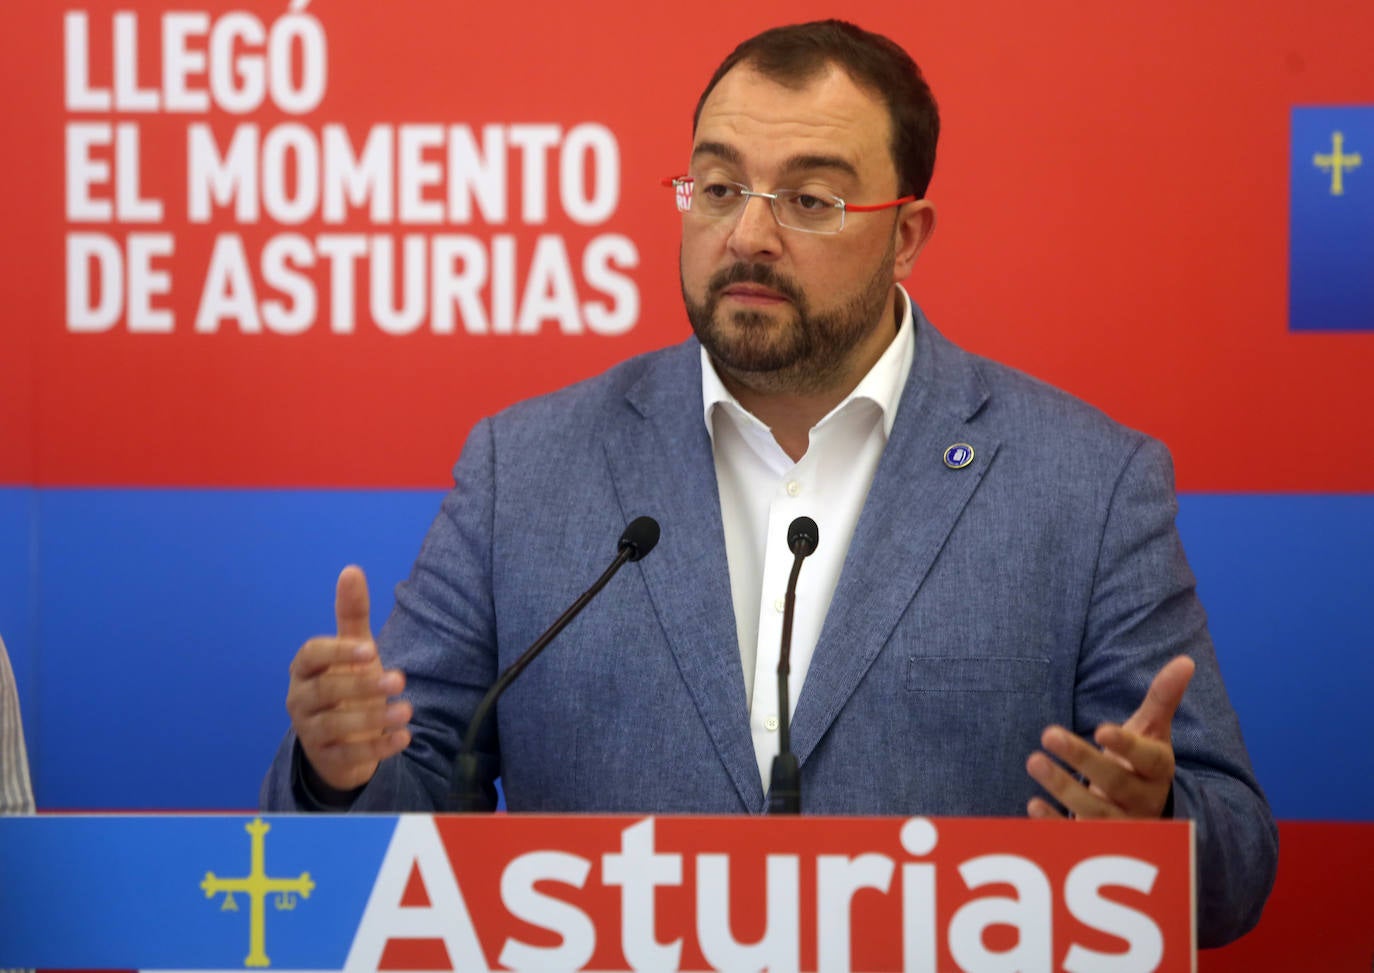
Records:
x=1331, y=219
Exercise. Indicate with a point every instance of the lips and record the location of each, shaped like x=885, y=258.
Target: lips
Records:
x=753, y=294
x=756, y=285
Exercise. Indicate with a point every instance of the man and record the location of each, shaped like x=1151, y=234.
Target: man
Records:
x=998, y=574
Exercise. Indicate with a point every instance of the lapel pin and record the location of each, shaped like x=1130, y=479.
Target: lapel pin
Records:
x=958, y=456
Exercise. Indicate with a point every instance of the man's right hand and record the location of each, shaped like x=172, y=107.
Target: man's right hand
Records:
x=338, y=695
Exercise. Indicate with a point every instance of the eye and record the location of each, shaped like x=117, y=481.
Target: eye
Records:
x=717, y=191
x=808, y=202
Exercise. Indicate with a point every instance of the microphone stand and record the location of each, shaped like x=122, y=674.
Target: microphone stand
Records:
x=784, y=786
x=466, y=793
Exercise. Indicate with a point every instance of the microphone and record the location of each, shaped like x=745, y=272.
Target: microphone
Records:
x=784, y=788
x=465, y=791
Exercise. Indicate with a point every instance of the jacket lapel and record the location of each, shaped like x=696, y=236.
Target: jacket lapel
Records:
x=911, y=508
x=661, y=465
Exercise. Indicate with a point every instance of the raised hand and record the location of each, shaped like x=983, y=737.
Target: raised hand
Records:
x=339, y=692
x=1129, y=773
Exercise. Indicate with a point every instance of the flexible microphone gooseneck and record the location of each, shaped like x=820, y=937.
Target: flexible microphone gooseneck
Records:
x=465, y=792
x=784, y=788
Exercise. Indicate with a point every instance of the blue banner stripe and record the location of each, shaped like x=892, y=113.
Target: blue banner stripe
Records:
x=169, y=618
x=1287, y=582
x=67, y=903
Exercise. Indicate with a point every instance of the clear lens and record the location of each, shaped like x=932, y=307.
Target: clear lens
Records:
x=717, y=199
x=813, y=212
x=807, y=211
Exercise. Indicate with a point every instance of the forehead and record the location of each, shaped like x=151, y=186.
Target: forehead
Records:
x=771, y=127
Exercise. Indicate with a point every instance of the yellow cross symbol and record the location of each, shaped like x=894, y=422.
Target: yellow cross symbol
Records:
x=258, y=886
x=1337, y=162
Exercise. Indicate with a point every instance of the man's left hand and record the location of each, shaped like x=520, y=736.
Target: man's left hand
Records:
x=1129, y=773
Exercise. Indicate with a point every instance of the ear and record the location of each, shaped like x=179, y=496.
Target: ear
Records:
x=915, y=224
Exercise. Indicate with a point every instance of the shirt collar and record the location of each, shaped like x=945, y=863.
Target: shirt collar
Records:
x=883, y=385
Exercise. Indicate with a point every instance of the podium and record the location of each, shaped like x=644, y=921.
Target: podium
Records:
x=534, y=892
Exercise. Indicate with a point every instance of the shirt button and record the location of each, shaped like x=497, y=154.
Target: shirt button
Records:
x=771, y=724
x=779, y=605
x=793, y=488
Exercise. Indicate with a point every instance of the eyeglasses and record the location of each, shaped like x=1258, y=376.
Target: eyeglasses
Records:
x=810, y=212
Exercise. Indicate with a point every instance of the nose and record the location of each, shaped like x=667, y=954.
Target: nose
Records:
x=755, y=233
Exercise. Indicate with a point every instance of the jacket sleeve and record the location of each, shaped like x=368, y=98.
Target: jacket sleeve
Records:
x=1144, y=611
x=442, y=634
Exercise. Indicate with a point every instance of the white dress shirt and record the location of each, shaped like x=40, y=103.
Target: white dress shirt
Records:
x=762, y=491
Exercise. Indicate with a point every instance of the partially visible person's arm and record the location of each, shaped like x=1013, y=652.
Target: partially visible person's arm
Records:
x=356, y=743
x=343, y=722
x=1181, y=752
x=16, y=793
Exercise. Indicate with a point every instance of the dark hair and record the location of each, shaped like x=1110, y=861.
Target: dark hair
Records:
x=796, y=53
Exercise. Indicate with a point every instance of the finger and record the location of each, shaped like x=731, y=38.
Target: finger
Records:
x=343, y=686
x=353, y=724
x=1112, y=778
x=351, y=606
x=1155, y=715
x=1105, y=774
x=1148, y=758
x=325, y=652
x=361, y=751
x=1067, y=790
x=1038, y=807
x=349, y=765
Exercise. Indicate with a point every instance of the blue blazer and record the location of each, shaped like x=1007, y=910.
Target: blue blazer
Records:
x=1044, y=583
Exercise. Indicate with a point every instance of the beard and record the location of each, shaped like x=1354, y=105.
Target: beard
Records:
x=793, y=349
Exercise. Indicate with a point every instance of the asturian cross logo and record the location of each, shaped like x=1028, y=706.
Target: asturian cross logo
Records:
x=1337, y=162
x=257, y=885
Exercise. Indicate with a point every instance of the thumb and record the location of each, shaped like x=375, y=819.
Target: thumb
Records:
x=351, y=604
x=1155, y=716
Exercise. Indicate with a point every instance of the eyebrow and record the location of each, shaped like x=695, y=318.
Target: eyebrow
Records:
x=726, y=153
x=730, y=154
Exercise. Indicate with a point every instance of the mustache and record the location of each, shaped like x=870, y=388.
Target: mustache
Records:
x=747, y=273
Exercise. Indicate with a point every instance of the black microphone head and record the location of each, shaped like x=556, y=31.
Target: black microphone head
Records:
x=640, y=537
x=802, y=536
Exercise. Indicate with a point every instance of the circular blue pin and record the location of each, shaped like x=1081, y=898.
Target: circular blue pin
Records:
x=958, y=456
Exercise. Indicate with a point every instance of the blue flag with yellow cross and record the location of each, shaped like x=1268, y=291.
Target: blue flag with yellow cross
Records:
x=1331, y=219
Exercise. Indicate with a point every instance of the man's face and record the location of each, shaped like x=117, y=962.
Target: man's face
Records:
x=780, y=309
